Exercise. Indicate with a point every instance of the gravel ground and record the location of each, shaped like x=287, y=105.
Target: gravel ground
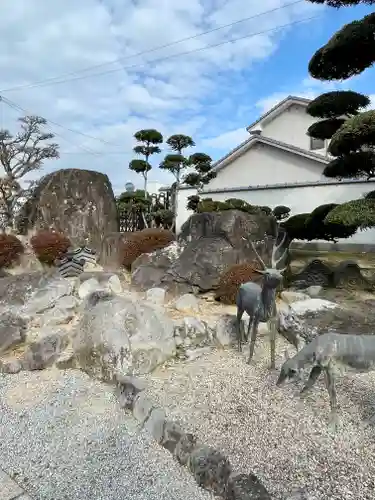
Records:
x=64, y=437
x=272, y=432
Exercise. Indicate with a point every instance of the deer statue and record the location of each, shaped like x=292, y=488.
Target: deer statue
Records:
x=259, y=302
x=323, y=352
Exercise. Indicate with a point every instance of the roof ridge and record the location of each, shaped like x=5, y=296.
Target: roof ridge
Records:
x=301, y=100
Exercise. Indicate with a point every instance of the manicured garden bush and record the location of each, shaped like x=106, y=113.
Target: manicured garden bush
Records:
x=231, y=280
x=49, y=245
x=11, y=248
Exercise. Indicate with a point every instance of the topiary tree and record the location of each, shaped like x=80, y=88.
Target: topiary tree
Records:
x=176, y=163
x=352, y=131
x=149, y=140
x=281, y=212
x=312, y=226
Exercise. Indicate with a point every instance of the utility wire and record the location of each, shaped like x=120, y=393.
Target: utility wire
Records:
x=85, y=149
x=154, y=49
x=17, y=106
x=161, y=59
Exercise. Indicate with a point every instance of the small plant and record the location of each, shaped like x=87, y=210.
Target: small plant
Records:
x=49, y=245
x=11, y=248
x=231, y=280
x=146, y=241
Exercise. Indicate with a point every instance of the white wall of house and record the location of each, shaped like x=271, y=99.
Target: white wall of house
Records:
x=263, y=164
x=301, y=199
x=290, y=126
x=182, y=212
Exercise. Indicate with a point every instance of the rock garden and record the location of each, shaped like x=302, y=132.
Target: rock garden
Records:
x=155, y=317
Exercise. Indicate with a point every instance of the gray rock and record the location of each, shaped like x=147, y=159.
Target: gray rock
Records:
x=187, y=302
x=191, y=330
x=155, y=424
x=45, y=350
x=10, y=366
x=210, y=469
x=156, y=295
x=289, y=296
x=81, y=204
x=211, y=243
x=16, y=289
x=68, y=302
x=121, y=334
x=127, y=388
x=66, y=360
x=172, y=435
x=88, y=287
x=184, y=448
x=114, y=284
x=314, y=290
x=246, y=487
x=148, y=269
x=142, y=407
x=56, y=316
x=12, y=330
x=193, y=354
x=46, y=297
x=225, y=331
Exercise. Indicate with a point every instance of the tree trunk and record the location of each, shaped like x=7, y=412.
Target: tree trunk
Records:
x=145, y=189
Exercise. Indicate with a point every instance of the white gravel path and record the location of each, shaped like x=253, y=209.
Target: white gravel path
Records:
x=63, y=437
x=270, y=431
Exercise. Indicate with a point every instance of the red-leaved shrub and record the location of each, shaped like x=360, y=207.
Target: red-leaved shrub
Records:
x=145, y=241
x=49, y=245
x=11, y=248
x=231, y=280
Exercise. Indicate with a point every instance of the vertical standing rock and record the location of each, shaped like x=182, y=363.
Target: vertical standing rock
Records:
x=79, y=203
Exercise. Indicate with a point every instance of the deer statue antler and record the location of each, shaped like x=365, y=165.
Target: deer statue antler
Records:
x=276, y=247
x=260, y=260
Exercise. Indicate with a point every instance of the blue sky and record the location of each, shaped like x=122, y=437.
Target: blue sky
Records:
x=210, y=94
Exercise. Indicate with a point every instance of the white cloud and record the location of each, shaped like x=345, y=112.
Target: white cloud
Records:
x=227, y=140
x=171, y=95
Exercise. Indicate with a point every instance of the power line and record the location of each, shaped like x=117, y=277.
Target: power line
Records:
x=17, y=106
x=85, y=149
x=45, y=83
x=154, y=49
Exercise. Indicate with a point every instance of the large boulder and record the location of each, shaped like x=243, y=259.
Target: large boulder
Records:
x=120, y=335
x=15, y=290
x=211, y=243
x=79, y=203
x=149, y=268
x=111, y=252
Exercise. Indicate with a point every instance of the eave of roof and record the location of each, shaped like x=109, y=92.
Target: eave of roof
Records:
x=291, y=99
x=249, y=143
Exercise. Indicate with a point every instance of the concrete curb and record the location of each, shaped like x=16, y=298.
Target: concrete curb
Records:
x=10, y=490
x=210, y=468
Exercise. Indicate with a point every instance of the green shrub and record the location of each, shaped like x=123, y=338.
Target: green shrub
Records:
x=11, y=248
x=49, y=245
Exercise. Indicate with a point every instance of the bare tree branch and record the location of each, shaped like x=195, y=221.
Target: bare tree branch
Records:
x=19, y=155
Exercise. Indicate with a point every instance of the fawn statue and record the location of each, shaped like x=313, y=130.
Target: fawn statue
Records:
x=323, y=352
x=259, y=302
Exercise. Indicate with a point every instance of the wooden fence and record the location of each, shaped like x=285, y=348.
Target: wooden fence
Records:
x=135, y=219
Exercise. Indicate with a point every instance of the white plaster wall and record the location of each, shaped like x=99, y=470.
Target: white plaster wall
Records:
x=263, y=164
x=291, y=127
x=182, y=212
